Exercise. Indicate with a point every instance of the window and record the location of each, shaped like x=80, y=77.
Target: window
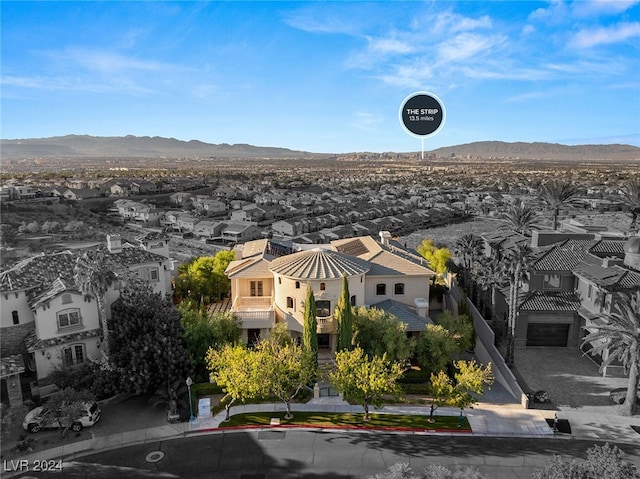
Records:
x=68, y=318
x=398, y=288
x=289, y=302
x=551, y=281
x=323, y=309
x=66, y=298
x=297, y=284
x=381, y=289
x=323, y=286
x=353, y=300
x=256, y=288
x=16, y=319
x=590, y=291
x=153, y=275
x=73, y=355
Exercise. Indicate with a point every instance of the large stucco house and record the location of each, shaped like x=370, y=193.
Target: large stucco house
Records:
x=269, y=283
x=47, y=323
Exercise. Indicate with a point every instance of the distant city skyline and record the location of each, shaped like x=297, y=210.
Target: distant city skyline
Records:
x=322, y=76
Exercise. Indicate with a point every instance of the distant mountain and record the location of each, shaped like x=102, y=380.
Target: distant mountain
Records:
x=135, y=147
x=543, y=151
x=79, y=146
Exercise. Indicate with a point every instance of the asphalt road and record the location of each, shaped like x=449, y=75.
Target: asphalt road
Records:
x=319, y=454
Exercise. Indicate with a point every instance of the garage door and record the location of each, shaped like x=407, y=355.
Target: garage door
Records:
x=547, y=334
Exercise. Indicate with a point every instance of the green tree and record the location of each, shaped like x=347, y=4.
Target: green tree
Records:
x=460, y=328
x=436, y=347
x=284, y=369
x=67, y=406
x=310, y=331
x=364, y=379
x=520, y=217
x=401, y=470
x=147, y=341
x=556, y=194
x=94, y=273
x=236, y=370
x=463, y=389
x=378, y=333
x=202, y=331
x=619, y=338
x=492, y=275
x=603, y=462
x=438, y=258
x=468, y=249
x=631, y=198
x=344, y=316
x=518, y=260
x=202, y=280
x=280, y=335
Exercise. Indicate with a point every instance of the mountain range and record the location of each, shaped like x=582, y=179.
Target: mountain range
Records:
x=77, y=146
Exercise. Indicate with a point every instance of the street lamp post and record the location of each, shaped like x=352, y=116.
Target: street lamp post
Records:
x=189, y=383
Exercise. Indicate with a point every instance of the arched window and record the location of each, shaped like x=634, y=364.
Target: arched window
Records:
x=297, y=284
x=323, y=286
x=398, y=288
x=66, y=298
x=290, y=302
x=16, y=319
x=353, y=300
x=381, y=289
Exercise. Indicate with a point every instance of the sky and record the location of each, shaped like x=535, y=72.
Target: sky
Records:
x=325, y=77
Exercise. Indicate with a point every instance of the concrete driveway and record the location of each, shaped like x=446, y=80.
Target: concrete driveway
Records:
x=571, y=379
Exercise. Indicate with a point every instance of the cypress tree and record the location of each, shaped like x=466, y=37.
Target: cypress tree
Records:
x=344, y=317
x=310, y=332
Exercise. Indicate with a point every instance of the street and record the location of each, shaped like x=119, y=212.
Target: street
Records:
x=320, y=454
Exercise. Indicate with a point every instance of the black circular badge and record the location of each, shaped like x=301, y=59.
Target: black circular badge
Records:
x=422, y=114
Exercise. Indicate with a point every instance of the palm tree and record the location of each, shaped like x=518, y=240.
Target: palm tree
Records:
x=493, y=274
x=94, y=275
x=631, y=198
x=619, y=339
x=520, y=217
x=556, y=194
x=468, y=248
x=518, y=261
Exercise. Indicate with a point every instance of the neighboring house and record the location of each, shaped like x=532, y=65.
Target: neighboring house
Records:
x=269, y=284
x=46, y=323
x=80, y=194
x=210, y=206
x=239, y=233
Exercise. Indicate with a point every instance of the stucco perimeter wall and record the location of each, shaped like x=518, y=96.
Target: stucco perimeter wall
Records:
x=486, y=352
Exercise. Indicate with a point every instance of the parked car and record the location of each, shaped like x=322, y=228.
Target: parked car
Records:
x=43, y=418
x=618, y=395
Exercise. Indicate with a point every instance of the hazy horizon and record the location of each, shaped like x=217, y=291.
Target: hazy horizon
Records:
x=320, y=76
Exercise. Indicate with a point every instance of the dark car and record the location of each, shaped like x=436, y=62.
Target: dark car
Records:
x=618, y=395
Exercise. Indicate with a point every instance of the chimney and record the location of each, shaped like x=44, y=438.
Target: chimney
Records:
x=422, y=307
x=114, y=244
x=384, y=237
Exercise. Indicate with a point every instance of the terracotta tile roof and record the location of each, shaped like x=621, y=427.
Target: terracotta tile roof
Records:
x=563, y=257
x=57, y=287
x=319, y=264
x=33, y=272
x=551, y=301
x=604, y=248
x=614, y=278
x=34, y=344
x=11, y=365
x=404, y=314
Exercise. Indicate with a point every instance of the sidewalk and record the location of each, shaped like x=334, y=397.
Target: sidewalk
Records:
x=486, y=419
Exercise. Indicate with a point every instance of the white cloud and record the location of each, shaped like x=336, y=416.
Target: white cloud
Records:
x=468, y=45
x=390, y=45
x=621, y=32
x=602, y=7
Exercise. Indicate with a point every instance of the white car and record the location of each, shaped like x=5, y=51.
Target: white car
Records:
x=43, y=418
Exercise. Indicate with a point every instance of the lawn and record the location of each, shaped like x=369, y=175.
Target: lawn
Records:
x=326, y=419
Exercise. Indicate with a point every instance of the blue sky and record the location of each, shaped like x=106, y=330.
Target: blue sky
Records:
x=322, y=76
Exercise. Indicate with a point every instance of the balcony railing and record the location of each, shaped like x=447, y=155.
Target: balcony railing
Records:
x=325, y=324
x=254, y=311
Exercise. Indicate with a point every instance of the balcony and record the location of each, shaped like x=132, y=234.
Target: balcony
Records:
x=254, y=311
x=325, y=324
